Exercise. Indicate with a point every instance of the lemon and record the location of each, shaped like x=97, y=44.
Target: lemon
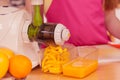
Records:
x=4, y=64
x=7, y=51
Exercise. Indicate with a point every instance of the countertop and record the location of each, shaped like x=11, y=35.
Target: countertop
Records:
x=108, y=69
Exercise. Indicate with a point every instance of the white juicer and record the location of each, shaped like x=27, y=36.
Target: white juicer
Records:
x=14, y=24
x=13, y=32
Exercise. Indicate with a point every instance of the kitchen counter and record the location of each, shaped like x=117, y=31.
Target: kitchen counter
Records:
x=108, y=69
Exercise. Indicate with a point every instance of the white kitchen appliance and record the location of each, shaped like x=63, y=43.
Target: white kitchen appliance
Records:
x=13, y=33
x=14, y=24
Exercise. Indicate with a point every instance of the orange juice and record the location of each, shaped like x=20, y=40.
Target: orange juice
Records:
x=80, y=67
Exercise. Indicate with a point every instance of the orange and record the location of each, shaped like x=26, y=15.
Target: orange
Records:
x=7, y=51
x=4, y=64
x=20, y=66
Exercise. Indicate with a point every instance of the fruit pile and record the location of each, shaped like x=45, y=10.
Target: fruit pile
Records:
x=53, y=59
x=19, y=66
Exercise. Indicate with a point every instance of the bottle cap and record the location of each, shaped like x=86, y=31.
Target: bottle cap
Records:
x=65, y=34
x=61, y=34
x=36, y=2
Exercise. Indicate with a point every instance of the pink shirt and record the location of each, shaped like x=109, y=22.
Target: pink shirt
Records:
x=84, y=19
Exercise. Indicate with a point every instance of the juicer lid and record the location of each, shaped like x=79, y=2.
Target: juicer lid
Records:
x=36, y=2
x=61, y=34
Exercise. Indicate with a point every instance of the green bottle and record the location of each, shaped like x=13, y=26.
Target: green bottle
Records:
x=37, y=21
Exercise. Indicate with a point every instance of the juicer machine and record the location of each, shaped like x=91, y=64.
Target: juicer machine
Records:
x=14, y=24
x=13, y=32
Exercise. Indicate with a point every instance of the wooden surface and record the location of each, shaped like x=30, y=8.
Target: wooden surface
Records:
x=108, y=69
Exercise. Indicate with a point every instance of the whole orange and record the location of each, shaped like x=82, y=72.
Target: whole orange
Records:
x=4, y=64
x=20, y=66
x=7, y=51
